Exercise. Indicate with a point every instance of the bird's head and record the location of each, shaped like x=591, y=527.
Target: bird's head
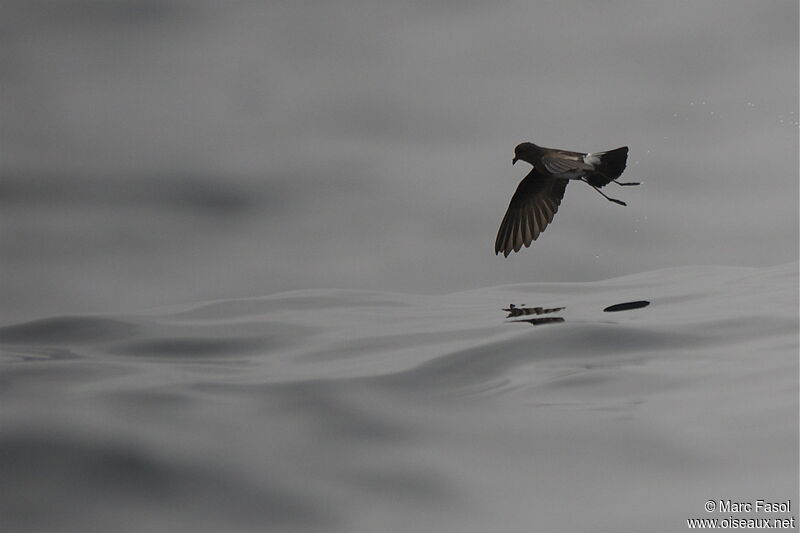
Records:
x=525, y=152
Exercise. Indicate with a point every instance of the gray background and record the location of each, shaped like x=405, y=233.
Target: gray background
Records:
x=159, y=152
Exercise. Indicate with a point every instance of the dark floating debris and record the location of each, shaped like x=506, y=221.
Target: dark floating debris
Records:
x=540, y=321
x=626, y=306
x=513, y=310
x=516, y=312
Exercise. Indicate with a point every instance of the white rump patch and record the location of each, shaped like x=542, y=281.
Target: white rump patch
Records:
x=591, y=159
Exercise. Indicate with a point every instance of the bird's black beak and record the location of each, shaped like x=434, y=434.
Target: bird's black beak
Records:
x=514, y=160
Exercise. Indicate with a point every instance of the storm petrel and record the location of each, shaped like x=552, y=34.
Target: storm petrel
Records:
x=538, y=196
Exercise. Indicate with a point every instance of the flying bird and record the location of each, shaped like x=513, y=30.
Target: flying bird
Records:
x=538, y=196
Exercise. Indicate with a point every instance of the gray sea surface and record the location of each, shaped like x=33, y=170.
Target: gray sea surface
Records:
x=247, y=279
x=155, y=152
x=362, y=411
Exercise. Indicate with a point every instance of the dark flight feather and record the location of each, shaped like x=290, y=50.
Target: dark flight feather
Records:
x=532, y=208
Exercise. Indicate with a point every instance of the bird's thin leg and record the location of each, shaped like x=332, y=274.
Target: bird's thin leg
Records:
x=620, y=202
x=623, y=183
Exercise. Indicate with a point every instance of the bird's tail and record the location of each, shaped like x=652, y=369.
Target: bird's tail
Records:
x=612, y=164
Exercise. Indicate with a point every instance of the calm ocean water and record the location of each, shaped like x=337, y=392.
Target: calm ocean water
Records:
x=357, y=411
x=159, y=152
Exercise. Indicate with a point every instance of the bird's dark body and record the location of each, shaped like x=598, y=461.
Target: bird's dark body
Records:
x=539, y=194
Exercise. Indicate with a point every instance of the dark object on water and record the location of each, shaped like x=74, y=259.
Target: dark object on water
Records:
x=513, y=310
x=626, y=306
x=538, y=196
x=540, y=321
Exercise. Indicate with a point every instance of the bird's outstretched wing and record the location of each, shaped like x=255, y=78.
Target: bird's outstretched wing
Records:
x=561, y=162
x=532, y=208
